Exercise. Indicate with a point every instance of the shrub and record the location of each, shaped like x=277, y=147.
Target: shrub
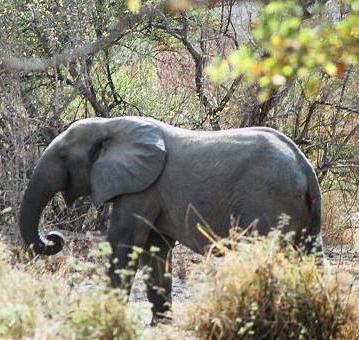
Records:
x=339, y=227
x=15, y=320
x=59, y=298
x=102, y=315
x=260, y=291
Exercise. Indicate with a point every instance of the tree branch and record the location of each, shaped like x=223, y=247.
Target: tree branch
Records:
x=339, y=107
x=17, y=64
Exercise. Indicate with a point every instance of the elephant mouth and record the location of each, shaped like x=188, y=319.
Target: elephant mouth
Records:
x=71, y=194
x=74, y=189
x=69, y=197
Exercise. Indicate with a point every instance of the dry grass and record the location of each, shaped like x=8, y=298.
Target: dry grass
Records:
x=59, y=298
x=255, y=291
x=259, y=291
x=339, y=225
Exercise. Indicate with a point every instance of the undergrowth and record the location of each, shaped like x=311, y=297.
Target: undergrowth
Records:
x=59, y=298
x=260, y=291
x=257, y=290
x=339, y=227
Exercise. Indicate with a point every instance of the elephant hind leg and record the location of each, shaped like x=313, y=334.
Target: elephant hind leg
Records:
x=157, y=260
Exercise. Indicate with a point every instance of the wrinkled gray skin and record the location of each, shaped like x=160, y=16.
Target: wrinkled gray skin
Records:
x=154, y=173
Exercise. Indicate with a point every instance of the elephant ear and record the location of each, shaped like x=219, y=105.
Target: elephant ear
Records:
x=129, y=160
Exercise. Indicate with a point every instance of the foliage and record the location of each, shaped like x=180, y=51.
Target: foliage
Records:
x=157, y=69
x=59, y=298
x=260, y=290
x=133, y=5
x=291, y=47
x=101, y=315
x=298, y=77
x=339, y=222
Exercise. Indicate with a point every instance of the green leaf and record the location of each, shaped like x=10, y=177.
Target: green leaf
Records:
x=218, y=70
x=312, y=87
x=154, y=249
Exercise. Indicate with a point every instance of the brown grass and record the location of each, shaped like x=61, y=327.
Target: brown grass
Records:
x=259, y=291
x=339, y=227
x=59, y=298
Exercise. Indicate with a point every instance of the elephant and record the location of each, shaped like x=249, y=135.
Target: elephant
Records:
x=163, y=181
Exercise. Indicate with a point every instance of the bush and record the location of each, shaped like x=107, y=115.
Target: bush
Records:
x=59, y=298
x=260, y=291
x=102, y=315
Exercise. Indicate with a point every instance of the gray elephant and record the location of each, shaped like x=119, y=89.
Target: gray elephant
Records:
x=164, y=180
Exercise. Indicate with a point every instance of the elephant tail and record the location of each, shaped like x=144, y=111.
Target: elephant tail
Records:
x=313, y=242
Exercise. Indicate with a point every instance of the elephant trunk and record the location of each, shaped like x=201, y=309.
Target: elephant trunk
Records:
x=46, y=181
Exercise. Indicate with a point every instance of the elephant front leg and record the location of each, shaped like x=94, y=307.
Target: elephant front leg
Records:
x=122, y=270
x=157, y=262
x=126, y=234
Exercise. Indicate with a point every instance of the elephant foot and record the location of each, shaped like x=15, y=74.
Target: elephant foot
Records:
x=164, y=319
x=115, y=280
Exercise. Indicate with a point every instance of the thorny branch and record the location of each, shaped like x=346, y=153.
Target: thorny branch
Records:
x=199, y=57
x=68, y=56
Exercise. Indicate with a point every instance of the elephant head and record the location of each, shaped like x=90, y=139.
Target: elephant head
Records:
x=100, y=157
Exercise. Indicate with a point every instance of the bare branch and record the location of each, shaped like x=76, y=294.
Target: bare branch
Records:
x=228, y=95
x=146, y=12
x=11, y=63
x=339, y=107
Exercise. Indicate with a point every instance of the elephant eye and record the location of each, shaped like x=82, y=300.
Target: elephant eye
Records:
x=96, y=150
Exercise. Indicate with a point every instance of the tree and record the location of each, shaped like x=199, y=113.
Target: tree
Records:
x=220, y=64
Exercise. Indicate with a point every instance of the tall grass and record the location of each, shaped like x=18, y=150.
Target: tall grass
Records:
x=339, y=228
x=56, y=298
x=260, y=291
x=257, y=290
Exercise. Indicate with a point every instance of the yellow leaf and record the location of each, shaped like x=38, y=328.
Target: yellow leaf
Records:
x=235, y=58
x=264, y=81
x=312, y=87
x=263, y=96
x=330, y=68
x=218, y=70
x=256, y=70
x=303, y=72
x=287, y=70
x=133, y=5
x=276, y=40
